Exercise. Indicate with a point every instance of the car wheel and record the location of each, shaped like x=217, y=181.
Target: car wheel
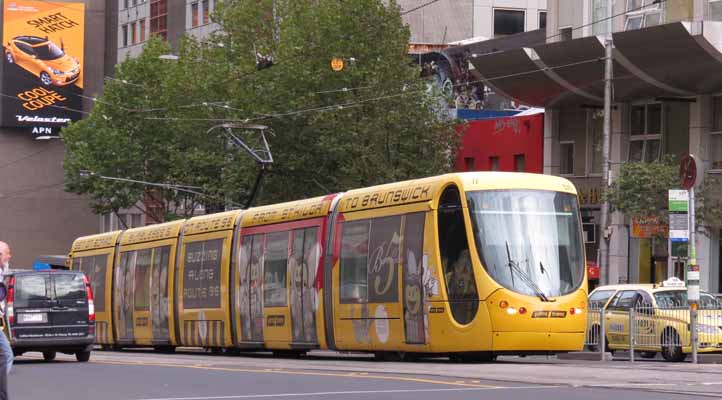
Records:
x=672, y=346
x=46, y=79
x=82, y=356
x=9, y=57
x=49, y=355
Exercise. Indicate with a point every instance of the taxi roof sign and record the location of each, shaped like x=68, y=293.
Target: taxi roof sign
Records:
x=673, y=282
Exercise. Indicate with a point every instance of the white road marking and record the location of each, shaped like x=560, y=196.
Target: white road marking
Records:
x=279, y=395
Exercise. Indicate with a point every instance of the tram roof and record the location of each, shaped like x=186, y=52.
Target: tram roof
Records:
x=427, y=189
x=97, y=241
x=489, y=180
x=151, y=233
x=285, y=212
x=211, y=222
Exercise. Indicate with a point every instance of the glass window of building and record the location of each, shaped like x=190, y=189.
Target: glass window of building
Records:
x=194, y=14
x=566, y=158
x=141, y=28
x=469, y=163
x=133, y=34
x=494, y=163
x=565, y=34
x=715, y=147
x=542, y=19
x=599, y=13
x=595, y=141
x=643, y=13
x=508, y=22
x=124, y=36
x=206, y=11
x=125, y=4
x=714, y=13
x=158, y=18
x=645, y=141
x=519, y=162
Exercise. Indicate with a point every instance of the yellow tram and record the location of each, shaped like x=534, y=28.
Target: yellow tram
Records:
x=469, y=265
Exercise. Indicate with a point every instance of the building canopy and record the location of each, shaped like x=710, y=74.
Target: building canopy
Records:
x=672, y=60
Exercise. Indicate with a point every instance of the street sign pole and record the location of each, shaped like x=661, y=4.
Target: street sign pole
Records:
x=604, y=269
x=693, y=278
x=691, y=174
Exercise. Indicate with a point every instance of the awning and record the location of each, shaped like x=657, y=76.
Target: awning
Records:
x=677, y=59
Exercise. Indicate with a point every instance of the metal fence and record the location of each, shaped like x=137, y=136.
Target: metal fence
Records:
x=645, y=330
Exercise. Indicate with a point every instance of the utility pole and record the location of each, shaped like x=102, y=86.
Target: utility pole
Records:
x=604, y=243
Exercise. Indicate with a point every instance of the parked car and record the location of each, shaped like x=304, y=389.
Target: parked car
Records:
x=44, y=59
x=50, y=311
x=662, y=319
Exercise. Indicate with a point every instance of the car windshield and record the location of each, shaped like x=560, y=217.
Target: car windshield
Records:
x=678, y=299
x=529, y=241
x=48, y=51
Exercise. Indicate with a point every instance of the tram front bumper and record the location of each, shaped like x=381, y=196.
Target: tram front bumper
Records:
x=520, y=342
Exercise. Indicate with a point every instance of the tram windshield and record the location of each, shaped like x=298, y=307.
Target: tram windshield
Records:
x=529, y=240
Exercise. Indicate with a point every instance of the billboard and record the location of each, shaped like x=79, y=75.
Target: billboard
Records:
x=42, y=78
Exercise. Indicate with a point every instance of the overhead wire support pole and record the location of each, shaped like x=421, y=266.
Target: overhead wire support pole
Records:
x=604, y=243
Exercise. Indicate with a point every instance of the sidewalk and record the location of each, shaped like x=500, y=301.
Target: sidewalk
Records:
x=624, y=356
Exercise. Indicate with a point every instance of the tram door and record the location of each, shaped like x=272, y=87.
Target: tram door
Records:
x=251, y=297
x=159, y=294
x=123, y=296
x=413, y=271
x=303, y=266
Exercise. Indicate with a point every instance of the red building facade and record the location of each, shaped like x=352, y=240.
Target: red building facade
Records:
x=502, y=144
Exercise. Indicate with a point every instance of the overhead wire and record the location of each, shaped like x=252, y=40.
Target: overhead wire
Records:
x=341, y=106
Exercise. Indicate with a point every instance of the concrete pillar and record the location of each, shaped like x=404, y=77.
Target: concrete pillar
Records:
x=619, y=241
x=700, y=124
x=551, y=141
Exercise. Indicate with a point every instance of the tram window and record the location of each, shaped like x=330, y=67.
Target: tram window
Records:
x=97, y=281
x=354, y=259
x=455, y=258
x=141, y=289
x=384, y=259
x=274, y=270
x=94, y=267
x=202, y=274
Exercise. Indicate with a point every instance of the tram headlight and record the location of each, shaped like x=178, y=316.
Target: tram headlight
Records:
x=511, y=310
x=576, y=311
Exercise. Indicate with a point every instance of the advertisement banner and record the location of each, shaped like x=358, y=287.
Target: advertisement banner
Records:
x=43, y=65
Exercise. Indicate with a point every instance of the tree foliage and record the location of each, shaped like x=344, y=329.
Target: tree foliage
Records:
x=371, y=123
x=641, y=191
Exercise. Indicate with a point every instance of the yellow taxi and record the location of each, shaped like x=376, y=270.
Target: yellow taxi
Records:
x=661, y=321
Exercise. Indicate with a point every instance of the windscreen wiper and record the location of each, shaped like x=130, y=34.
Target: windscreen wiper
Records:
x=514, y=266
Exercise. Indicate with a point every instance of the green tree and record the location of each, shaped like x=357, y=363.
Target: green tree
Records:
x=641, y=191
x=371, y=123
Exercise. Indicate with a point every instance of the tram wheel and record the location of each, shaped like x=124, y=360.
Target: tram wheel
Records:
x=232, y=351
x=164, y=349
x=473, y=357
x=289, y=353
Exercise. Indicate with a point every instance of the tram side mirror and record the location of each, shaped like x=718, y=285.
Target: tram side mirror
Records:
x=3, y=291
